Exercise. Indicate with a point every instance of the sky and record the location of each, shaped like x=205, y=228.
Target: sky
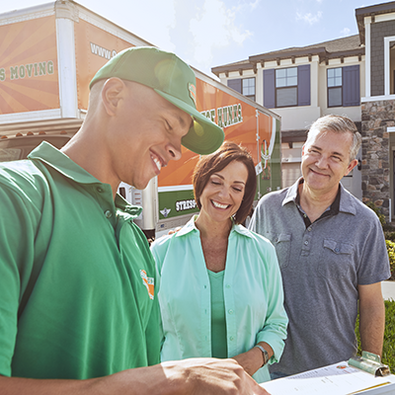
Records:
x=209, y=33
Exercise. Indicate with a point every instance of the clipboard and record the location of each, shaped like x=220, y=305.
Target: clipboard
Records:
x=341, y=378
x=370, y=363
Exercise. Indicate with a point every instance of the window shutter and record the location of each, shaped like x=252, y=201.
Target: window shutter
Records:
x=269, y=90
x=351, y=89
x=235, y=84
x=304, y=85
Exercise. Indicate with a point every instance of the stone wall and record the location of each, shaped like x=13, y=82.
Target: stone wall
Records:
x=376, y=118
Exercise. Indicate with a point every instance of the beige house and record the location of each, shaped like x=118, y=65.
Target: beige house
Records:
x=301, y=84
x=353, y=76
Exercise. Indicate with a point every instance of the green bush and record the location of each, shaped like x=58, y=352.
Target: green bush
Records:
x=389, y=335
x=377, y=211
x=390, y=236
x=391, y=255
x=388, y=356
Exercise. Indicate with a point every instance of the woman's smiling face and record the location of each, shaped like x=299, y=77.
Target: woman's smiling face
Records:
x=224, y=192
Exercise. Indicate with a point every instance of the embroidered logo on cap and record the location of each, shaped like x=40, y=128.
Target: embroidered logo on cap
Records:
x=148, y=282
x=192, y=92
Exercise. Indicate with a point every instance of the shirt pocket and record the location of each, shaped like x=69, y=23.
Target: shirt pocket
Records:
x=282, y=244
x=336, y=260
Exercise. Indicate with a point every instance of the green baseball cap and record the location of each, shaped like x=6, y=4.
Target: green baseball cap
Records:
x=174, y=80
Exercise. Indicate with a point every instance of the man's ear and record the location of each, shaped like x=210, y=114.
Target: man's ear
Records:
x=112, y=92
x=352, y=164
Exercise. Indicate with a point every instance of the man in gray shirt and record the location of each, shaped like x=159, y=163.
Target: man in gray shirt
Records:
x=331, y=251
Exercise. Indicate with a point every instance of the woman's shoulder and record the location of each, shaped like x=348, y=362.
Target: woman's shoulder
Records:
x=254, y=238
x=162, y=242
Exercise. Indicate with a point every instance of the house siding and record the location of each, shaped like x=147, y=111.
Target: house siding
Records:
x=379, y=30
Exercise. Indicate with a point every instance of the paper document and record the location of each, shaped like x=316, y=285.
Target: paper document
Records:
x=336, y=379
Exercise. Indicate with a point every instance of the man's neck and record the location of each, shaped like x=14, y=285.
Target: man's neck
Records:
x=315, y=203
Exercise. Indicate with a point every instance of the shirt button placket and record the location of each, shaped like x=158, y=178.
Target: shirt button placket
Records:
x=306, y=243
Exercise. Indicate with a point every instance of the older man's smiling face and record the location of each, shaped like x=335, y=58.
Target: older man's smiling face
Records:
x=326, y=160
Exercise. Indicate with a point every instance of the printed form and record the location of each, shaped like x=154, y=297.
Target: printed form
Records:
x=339, y=379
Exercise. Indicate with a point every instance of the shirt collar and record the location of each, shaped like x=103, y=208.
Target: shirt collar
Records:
x=56, y=159
x=51, y=156
x=292, y=192
x=346, y=202
x=190, y=227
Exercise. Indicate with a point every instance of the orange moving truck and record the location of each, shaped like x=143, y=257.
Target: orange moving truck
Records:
x=48, y=55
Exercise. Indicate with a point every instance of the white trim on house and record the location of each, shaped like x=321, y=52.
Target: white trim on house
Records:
x=384, y=17
x=377, y=98
x=387, y=61
x=259, y=83
x=368, y=21
x=391, y=129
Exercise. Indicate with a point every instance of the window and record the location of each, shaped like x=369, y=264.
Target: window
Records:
x=249, y=88
x=286, y=87
x=343, y=86
x=245, y=86
x=335, y=90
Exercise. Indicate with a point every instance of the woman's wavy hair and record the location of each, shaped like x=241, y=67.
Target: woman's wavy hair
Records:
x=215, y=162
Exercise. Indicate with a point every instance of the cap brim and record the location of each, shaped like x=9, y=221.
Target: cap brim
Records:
x=204, y=137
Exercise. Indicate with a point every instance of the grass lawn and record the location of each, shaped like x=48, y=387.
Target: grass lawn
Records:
x=389, y=336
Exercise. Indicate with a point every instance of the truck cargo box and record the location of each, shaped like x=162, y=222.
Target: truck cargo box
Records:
x=49, y=54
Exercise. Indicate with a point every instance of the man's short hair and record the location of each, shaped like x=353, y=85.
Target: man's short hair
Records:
x=338, y=124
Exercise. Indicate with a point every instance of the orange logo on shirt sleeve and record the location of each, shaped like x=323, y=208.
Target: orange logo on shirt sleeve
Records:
x=148, y=282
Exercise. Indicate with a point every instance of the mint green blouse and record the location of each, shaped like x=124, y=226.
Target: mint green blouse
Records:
x=252, y=293
x=218, y=319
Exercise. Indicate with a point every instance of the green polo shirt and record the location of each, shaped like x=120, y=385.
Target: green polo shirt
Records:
x=93, y=310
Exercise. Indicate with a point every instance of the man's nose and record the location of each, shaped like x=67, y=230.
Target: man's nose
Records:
x=321, y=162
x=174, y=150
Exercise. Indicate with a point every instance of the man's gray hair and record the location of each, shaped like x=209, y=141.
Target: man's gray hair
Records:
x=338, y=124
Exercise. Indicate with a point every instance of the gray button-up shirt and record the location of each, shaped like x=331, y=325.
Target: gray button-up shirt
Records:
x=322, y=265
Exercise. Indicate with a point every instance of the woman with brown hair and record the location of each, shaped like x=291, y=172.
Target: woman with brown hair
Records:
x=220, y=287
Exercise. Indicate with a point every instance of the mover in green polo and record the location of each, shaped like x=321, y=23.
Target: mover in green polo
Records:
x=78, y=299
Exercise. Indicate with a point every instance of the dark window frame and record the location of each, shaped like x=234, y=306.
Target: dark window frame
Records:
x=237, y=84
x=335, y=87
x=252, y=97
x=286, y=87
